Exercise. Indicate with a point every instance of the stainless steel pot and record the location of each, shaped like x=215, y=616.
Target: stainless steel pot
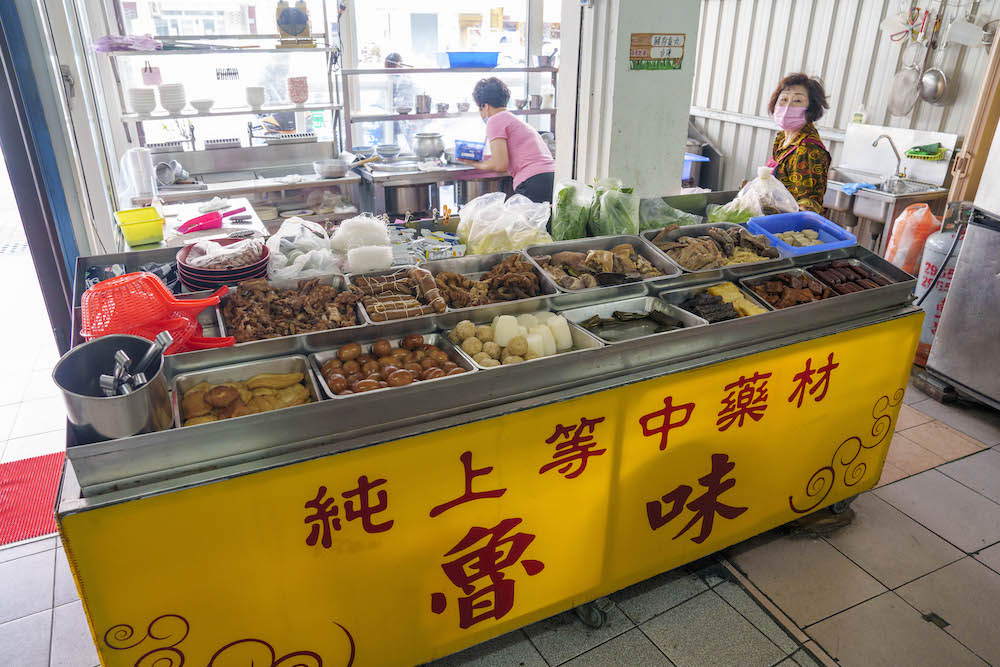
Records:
x=400, y=199
x=469, y=190
x=422, y=103
x=97, y=417
x=428, y=145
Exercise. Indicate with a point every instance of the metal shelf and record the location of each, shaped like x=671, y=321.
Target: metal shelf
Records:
x=230, y=111
x=225, y=52
x=449, y=70
x=435, y=116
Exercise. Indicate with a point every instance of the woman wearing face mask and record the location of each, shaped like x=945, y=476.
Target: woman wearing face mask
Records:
x=799, y=159
x=515, y=146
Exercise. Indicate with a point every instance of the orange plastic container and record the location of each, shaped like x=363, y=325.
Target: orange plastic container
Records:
x=909, y=234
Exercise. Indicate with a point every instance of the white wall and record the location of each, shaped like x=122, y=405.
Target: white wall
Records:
x=747, y=46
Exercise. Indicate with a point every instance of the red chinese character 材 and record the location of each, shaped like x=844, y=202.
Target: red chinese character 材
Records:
x=575, y=450
x=804, y=378
x=486, y=562
x=469, y=495
x=705, y=506
x=666, y=414
x=745, y=399
x=365, y=510
x=323, y=519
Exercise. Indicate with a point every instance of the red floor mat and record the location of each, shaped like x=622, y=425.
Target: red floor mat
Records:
x=28, y=496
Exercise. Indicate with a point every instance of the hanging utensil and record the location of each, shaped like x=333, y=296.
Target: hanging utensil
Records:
x=904, y=90
x=934, y=82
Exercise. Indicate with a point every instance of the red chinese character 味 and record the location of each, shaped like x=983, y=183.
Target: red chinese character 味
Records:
x=469, y=495
x=365, y=510
x=745, y=399
x=576, y=449
x=323, y=519
x=705, y=506
x=663, y=430
x=804, y=378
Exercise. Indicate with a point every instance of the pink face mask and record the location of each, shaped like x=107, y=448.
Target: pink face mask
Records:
x=789, y=119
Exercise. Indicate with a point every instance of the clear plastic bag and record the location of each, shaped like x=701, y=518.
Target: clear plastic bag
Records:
x=211, y=255
x=657, y=214
x=619, y=214
x=769, y=193
x=571, y=210
x=301, y=249
x=600, y=187
x=358, y=232
x=735, y=211
x=492, y=225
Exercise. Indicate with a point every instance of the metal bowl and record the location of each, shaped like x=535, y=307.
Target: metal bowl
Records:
x=331, y=168
x=363, y=151
x=388, y=150
x=403, y=110
x=463, y=107
x=442, y=107
x=521, y=103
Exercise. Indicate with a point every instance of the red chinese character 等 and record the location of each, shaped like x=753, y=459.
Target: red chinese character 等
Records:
x=323, y=519
x=488, y=561
x=663, y=430
x=574, y=451
x=744, y=400
x=805, y=378
x=469, y=495
x=365, y=510
x=705, y=506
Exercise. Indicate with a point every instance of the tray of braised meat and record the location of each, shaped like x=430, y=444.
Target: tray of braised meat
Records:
x=398, y=294
x=784, y=289
x=480, y=280
x=847, y=276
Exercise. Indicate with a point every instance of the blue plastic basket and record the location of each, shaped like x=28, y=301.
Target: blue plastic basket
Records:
x=463, y=59
x=832, y=235
x=689, y=160
x=469, y=150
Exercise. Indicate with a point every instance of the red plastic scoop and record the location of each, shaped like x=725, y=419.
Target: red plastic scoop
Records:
x=211, y=220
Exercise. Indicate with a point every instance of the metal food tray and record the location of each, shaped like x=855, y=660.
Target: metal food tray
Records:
x=336, y=280
x=658, y=259
x=242, y=373
x=853, y=262
x=677, y=297
x=317, y=360
x=728, y=272
x=474, y=266
x=402, y=268
x=643, y=303
x=747, y=283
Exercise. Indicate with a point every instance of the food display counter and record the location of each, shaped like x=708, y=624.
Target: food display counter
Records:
x=455, y=509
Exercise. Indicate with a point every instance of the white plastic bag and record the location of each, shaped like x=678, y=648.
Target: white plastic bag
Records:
x=211, y=255
x=492, y=225
x=770, y=194
x=301, y=249
x=359, y=232
x=477, y=208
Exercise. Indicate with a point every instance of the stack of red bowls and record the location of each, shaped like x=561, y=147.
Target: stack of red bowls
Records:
x=196, y=279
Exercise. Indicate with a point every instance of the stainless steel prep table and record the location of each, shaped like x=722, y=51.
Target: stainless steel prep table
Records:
x=377, y=182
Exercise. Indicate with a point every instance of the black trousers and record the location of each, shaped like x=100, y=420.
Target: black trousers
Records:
x=538, y=188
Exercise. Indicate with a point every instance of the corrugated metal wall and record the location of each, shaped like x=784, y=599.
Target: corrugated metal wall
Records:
x=747, y=46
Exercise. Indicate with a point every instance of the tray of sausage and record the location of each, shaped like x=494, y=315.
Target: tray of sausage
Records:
x=847, y=276
x=398, y=294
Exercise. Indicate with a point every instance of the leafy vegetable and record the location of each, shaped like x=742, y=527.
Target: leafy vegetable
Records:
x=734, y=211
x=657, y=214
x=571, y=211
x=619, y=215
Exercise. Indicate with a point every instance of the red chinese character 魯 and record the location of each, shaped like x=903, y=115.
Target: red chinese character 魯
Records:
x=705, y=506
x=668, y=423
x=745, y=399
x=469, y=495
x=486, y=564
x=577, y=447
x=804, y=378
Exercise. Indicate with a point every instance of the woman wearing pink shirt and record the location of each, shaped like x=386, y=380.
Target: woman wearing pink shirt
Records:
x=515, y=146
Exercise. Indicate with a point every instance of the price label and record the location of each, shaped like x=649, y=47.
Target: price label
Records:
x=656, y=51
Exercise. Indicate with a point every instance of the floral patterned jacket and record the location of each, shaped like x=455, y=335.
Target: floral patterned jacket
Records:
x=803, y=166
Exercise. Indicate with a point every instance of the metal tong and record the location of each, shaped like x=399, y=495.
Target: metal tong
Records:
x=128, y=378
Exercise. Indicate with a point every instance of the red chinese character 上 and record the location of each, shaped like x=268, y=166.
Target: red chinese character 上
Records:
x=804, y=378
x=575, y=450
x=705, y=506
x=745, y=399
x=663, y=430
x=323, y=519
x=365, y=510
x=469, y=495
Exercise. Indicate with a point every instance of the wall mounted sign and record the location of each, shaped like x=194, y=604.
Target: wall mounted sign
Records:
x=656, y=51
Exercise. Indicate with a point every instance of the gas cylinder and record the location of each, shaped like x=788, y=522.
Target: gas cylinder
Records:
x=935, y=250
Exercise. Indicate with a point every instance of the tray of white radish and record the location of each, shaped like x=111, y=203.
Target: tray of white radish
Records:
x=510, y=339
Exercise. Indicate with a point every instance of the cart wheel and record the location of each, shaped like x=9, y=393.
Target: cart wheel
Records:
x=591, y=614
x=841, y=506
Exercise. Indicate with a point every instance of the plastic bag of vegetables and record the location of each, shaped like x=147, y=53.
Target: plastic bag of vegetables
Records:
x=571, y=210
x=619, y=214
x=301, y=249
x=735, y=211
x=497, y=226
x=657, y=214
x=600, y=187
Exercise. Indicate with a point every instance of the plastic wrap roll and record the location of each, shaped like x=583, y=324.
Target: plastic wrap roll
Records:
x=138, y=173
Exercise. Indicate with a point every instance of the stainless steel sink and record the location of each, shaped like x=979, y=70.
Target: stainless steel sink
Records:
x=836, y=199
x=884, y=204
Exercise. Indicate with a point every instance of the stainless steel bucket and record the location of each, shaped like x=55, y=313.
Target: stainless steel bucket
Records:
x=401, y=199
x=423, y=103
x=97, y=417
x=469, y=190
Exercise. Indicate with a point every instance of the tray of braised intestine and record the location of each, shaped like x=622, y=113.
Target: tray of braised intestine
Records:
x=711, y=246
x=847, y=276
x=600, y=262
x=473, y=281
x=257, y=310
x=398, y=294
x=788, y=288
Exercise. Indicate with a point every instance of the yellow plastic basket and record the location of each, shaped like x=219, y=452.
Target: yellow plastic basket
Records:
x=140, y=225
x=930, y=158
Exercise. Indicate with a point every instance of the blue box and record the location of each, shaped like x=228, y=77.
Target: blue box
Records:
x=469, y=150
x=465, y=59
x=689, y=160
x=832, y=235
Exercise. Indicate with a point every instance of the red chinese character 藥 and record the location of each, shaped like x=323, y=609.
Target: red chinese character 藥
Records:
x=469, y=495
x=705, y=506
x=365, y=510
x=576, y=449
x=804, y=378
x=663, y=430
x=486, y=562
x=323, y=519
x=745, y=399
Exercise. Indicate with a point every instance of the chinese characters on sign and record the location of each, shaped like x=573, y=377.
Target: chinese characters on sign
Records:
x=325, y=519
x=705, y=506
x=666, y=414
x=746, y=398
x=805, y=378
x=469, y=495
x=577, y=447
x=649, y=51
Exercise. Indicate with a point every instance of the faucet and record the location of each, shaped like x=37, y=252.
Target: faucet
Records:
x=900, y=171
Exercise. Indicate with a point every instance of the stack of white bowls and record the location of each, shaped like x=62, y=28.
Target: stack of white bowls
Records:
x=142, y=100
x=172, y=97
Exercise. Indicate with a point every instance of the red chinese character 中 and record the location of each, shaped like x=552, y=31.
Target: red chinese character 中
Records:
x=745, y=399
x=469, y=495
x=365, y=510
x=576, y=449
x=705, y=506
x=486, y=562
x=323, y=519
x=663, y=430
x=804, y=378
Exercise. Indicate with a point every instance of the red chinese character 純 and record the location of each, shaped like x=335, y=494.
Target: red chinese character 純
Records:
x=323, y=519
x=576, y=449
x=804, y=378
x=745, y=399
x=666, y=414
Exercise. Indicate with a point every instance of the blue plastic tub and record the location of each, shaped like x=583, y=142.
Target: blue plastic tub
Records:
x=469, y=150
x=689, y=160
x=831, y=234
x=463, y=59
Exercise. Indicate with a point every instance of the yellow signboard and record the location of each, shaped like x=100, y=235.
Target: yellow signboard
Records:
x=406, y=551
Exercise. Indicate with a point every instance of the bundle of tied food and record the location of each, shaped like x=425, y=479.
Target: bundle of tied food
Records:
x=597, y=268
x=721, y=302
x=717, y=248
x=512, y=279
x=355, y=371
x=257, y=311
x=404, y=293
x=208, y=402
x=790, y=289
x=512, y=340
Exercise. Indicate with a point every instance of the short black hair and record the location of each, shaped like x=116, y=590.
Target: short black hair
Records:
x=491, y=91
x=813, y=85
x=393, y=60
